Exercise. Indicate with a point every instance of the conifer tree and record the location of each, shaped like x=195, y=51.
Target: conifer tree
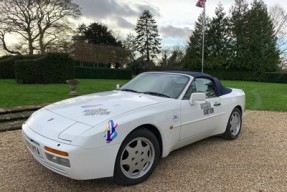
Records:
x=262, y=53
x=192, y=58
x=239, y=37
x=147, y=41
x=218, y=41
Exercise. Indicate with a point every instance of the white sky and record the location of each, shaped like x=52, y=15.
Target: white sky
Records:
x=175, y=18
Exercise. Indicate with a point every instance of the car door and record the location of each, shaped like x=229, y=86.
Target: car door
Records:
x=202, y=117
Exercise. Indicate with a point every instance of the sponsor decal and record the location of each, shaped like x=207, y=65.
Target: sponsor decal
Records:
x=110, y=131
x=90, y=106
x=175, y=117
x=207, y=109
x=96, y=112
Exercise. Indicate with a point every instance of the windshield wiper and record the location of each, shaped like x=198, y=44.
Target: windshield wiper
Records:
x=130, y=90
x=156, y=94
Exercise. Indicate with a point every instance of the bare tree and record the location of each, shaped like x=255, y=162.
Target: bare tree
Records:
x=279, y=18
x=129, y=45
x=40, y=23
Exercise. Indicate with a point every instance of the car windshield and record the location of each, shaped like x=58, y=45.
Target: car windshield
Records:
x=168, y=85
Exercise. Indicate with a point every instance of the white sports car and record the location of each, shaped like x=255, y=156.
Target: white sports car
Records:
x=123, y=133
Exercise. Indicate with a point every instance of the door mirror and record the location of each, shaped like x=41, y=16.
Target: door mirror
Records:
x=118, y=86
x=197, y=97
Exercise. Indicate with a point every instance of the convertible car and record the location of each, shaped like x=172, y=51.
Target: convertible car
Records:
x=123, y=133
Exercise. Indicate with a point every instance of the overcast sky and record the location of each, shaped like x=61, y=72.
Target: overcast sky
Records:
x=175, y=18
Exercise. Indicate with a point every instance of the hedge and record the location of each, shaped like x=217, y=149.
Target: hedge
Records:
x=234, y=75
x=275, y=77
x=93, y=73
x=271, y=77
x=50, y=68
x=7, y=68
x=7, y=65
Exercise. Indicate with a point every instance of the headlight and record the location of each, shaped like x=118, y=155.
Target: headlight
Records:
x=64, y=161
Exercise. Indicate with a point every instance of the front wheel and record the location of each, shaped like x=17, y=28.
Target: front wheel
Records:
x=137, y=157
x=234, y=124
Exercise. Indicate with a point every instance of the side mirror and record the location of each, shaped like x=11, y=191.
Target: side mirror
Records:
x=118, y=86
x=197, y=97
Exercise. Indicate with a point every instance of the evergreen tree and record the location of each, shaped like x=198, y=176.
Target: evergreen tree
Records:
x=245, y=41
x=97, y=34
x=263, y=55
x=147, y=41
x=175, y=58
x=192, y=58
x=218, y=41
x=239, y=34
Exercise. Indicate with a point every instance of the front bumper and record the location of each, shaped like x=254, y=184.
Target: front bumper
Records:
x=83, y=163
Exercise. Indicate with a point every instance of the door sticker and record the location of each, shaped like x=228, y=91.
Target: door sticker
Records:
x=207, y=109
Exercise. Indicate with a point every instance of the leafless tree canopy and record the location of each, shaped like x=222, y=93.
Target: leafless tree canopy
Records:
x=42, y=24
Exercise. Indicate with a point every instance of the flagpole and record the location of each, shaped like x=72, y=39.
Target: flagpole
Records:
x=203, y=36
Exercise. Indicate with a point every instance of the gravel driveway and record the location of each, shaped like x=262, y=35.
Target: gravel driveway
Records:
x=256, y=161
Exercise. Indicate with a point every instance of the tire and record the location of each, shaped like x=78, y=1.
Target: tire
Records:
x=234, y=125
x=137, y=157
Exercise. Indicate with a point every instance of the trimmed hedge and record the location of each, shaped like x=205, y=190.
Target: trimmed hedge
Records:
x=274, y=77
x=234, y=75
x=7, y=68
x=271, y=77
x=93, y=73
x=7, y=65
x=50, y=68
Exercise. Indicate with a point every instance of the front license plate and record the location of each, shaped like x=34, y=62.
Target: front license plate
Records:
x=33, y=148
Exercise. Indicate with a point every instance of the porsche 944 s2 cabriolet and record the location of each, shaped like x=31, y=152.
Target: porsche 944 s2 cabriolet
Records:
x=123, y=133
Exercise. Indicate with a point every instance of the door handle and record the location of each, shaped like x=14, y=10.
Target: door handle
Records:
x=217, y=104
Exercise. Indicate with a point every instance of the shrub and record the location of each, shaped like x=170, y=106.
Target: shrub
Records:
x=234, y=75
x=94, y=73
x=50, y=68
x=7, y=68
x=275, y=77
x=7, y=65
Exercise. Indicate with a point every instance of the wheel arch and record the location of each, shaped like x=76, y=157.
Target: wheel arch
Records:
x=152, y=129
x=156, y=132
x=240, y=108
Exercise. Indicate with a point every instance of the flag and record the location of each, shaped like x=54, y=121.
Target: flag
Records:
x=200, y=3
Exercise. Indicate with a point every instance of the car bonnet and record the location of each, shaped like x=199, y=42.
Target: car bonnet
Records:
x=68, y=118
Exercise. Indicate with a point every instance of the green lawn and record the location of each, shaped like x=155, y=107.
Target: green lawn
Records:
x=13, y=94
x=262, y=96
x=259, y=96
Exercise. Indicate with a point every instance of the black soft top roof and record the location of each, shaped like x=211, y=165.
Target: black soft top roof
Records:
x=220, y=89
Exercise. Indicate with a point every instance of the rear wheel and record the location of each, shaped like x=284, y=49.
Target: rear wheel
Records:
x=234, y=124
x=137, y=157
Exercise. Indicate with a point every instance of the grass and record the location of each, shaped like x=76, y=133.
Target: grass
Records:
x=262, y=96
x=13, y=94
x=259, y=96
